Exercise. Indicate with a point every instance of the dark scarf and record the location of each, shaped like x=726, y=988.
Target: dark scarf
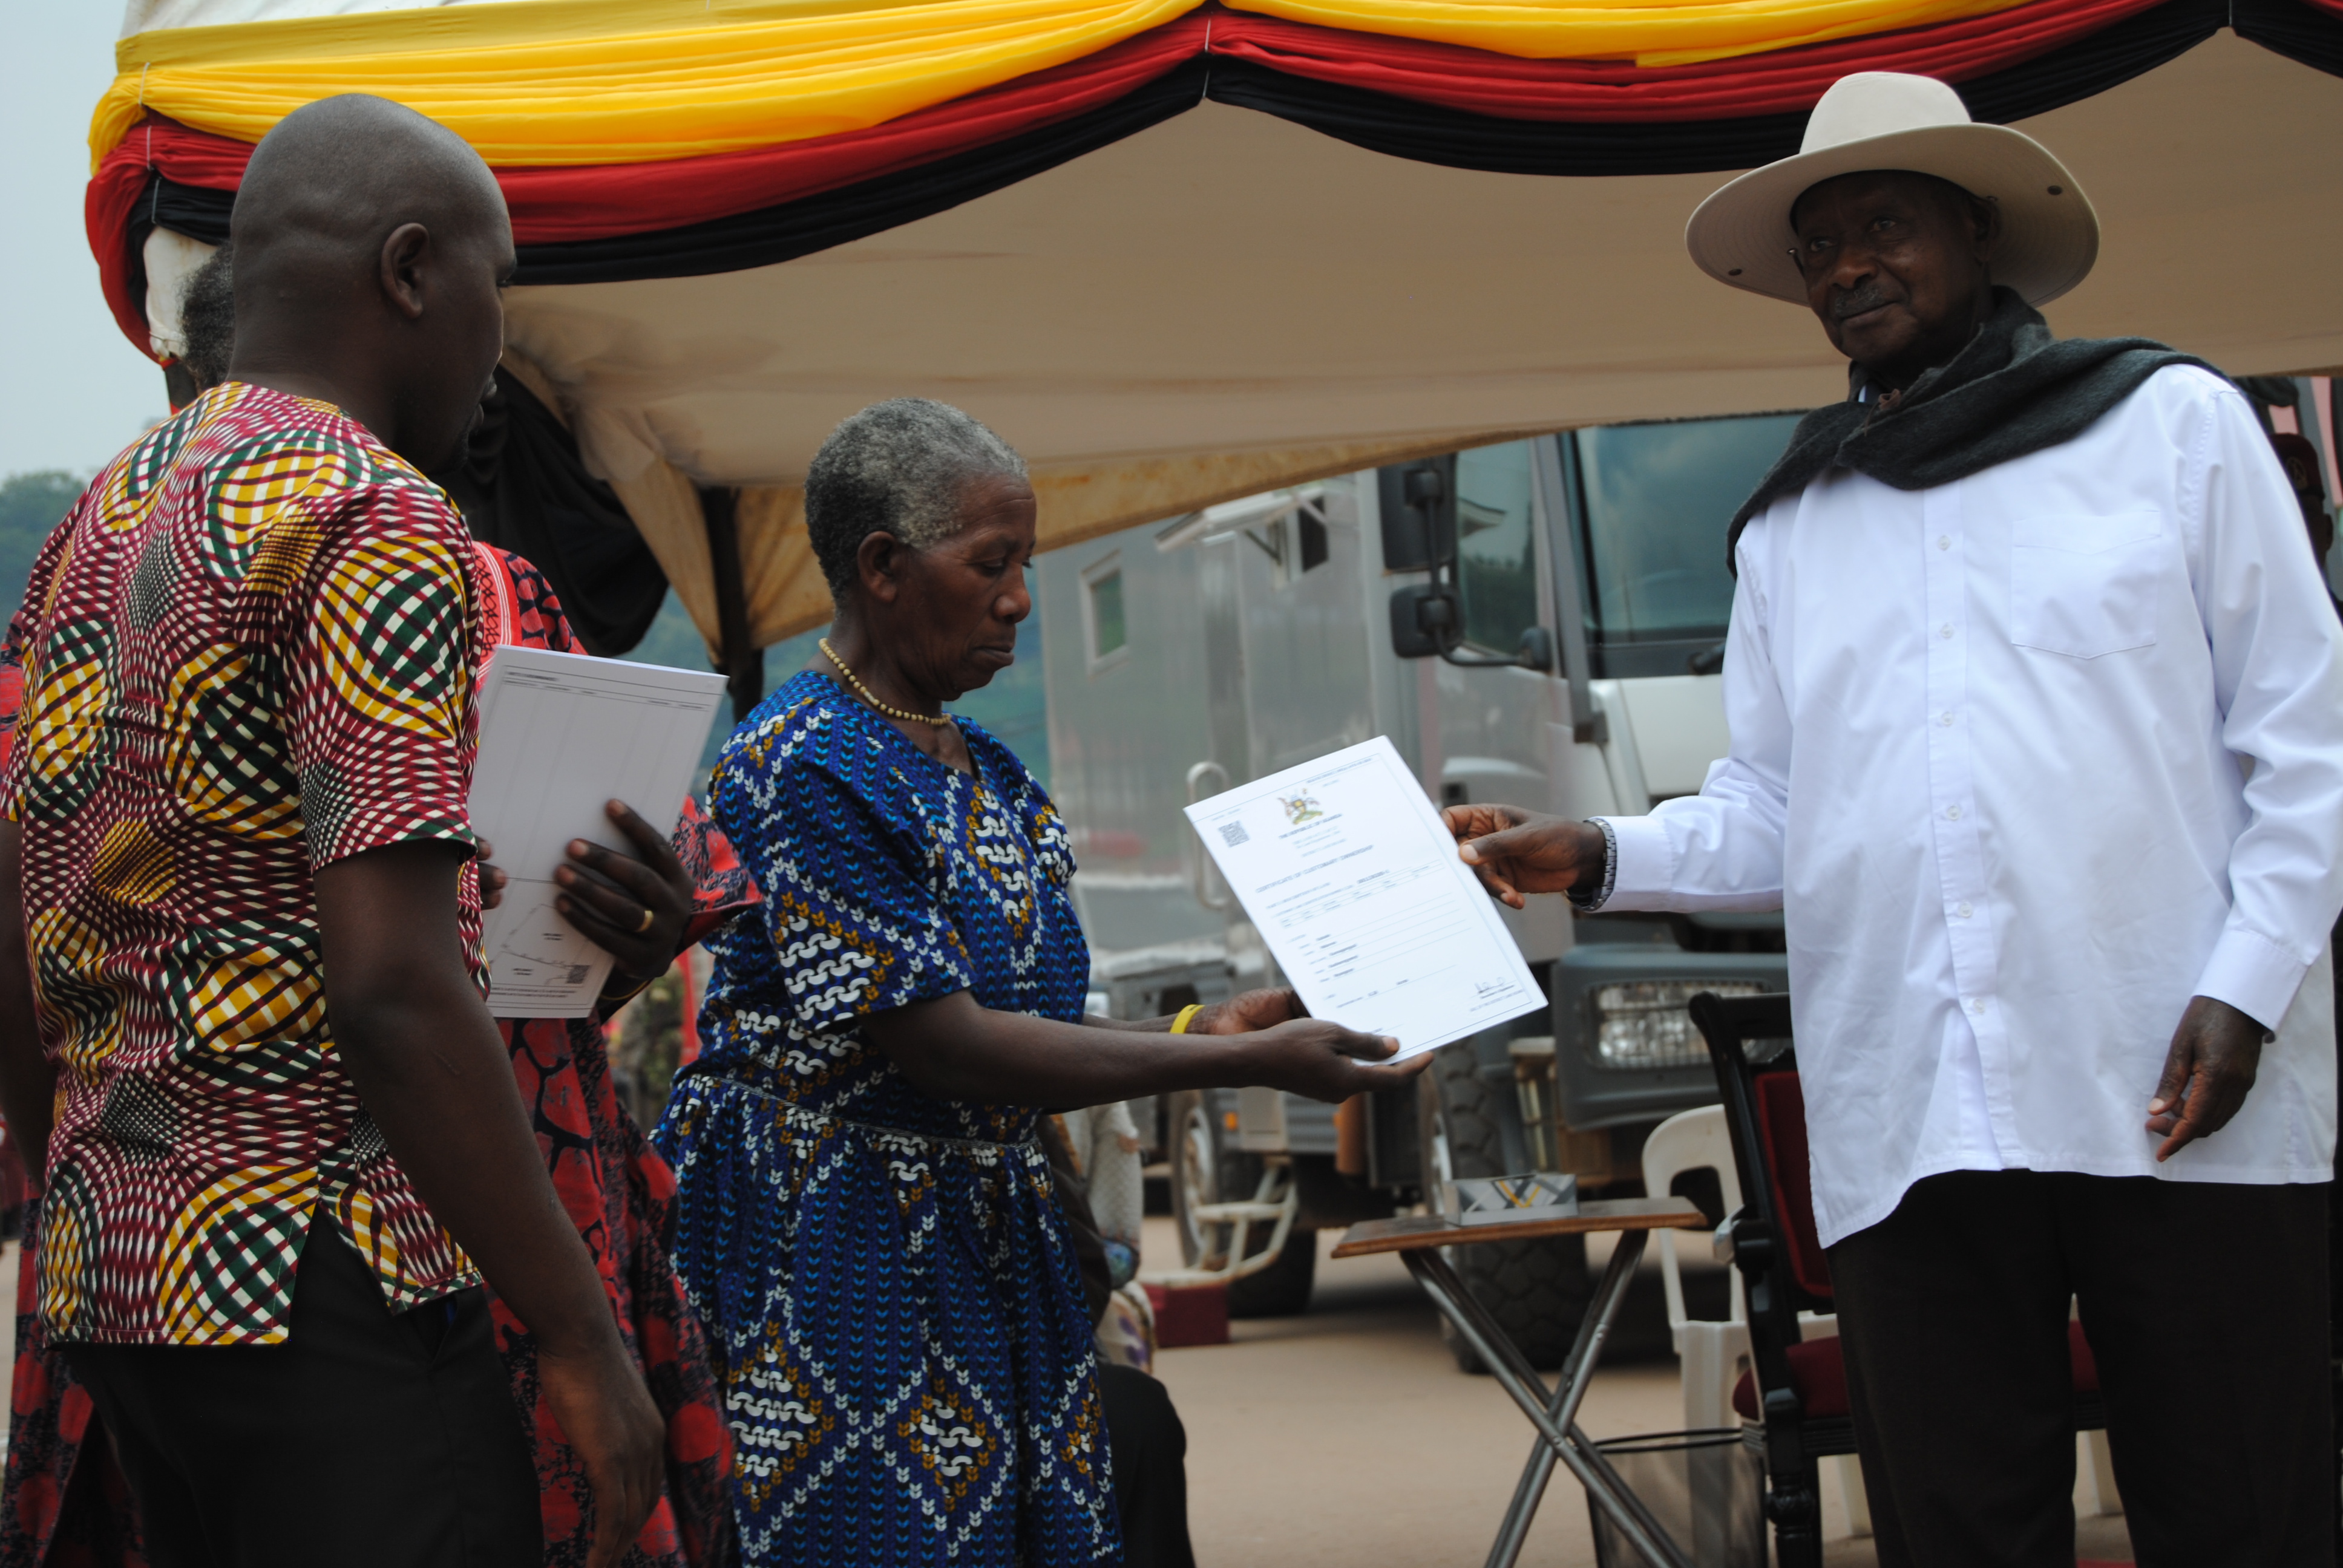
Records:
x=2012, y=390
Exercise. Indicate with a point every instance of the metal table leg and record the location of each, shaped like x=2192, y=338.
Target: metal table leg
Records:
x=1593, y=1328
x=1554, y=1415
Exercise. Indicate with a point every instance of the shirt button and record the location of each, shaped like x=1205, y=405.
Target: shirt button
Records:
x=1944, y=719
x=1952, y=813
x=1944, y=541
x=1962, y=911
x=1946, y=629
x=1976, y=1004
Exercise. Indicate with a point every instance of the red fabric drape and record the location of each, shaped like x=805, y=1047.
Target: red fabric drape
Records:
x=1787, y=81
x=604, y=201
x=596, y=201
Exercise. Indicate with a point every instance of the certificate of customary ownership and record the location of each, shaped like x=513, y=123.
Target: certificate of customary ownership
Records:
x=1354, y=883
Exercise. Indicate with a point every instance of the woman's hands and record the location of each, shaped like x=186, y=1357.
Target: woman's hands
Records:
x=1290, y=1049
x=632, y=909
x=1249, y=1010
x=952, y=1048
x=1321, y=1060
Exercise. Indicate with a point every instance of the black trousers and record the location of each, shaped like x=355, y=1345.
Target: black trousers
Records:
x=1151, y=1468
x=366, y=1441
x=2207, y=1309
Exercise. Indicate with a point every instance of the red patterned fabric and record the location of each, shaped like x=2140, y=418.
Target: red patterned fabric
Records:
x=620, y=1195
x=294, y=606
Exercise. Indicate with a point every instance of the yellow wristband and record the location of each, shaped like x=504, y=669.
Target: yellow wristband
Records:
x=1186, y=1017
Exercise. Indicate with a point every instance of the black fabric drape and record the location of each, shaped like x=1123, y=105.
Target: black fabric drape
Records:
x=1457, y=139
x=2300, y=32
x=1400, y=127
x=523, y=488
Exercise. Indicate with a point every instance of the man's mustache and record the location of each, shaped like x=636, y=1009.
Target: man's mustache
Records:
x=1867, y=297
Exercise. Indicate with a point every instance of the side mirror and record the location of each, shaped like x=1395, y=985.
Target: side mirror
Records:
x=1421, y=617
x=1424, y=624
x=1536, y=651
x=1419, y=514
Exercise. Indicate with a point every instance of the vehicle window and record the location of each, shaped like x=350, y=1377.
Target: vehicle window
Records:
x=1107, y=635
x=1496, y=573
x=1658, y=499
x=1312, y=530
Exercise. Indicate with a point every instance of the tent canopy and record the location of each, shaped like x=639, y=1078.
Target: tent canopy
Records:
x=1227, y=300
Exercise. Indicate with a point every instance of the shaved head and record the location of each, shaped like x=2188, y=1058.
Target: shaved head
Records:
x=370, y=246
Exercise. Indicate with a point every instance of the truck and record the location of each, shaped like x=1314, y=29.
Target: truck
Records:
x=1538, y=622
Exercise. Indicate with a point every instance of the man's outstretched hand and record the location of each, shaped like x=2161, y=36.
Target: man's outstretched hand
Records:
x=2215, y=1053
x=1515, y=852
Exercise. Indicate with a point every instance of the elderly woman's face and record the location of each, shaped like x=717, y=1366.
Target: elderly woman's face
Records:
x=955, y=605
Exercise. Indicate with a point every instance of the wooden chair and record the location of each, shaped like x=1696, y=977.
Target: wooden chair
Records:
x=1796, y=1388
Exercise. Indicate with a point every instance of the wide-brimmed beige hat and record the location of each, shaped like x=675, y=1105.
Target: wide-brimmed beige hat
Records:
x=1883, y=120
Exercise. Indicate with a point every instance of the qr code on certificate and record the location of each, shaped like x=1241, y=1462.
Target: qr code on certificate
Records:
x=1234, y=833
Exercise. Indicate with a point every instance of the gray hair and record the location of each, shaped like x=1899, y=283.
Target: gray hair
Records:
x=896, y=468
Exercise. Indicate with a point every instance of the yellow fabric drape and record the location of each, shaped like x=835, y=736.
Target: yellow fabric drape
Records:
x=1648, y=32
x=548, y=82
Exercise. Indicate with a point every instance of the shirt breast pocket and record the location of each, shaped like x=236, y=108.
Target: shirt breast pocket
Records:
x=2084, y=586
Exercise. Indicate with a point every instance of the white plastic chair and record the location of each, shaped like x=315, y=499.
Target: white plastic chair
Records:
x=1713, y=1353
x=1710, y=1352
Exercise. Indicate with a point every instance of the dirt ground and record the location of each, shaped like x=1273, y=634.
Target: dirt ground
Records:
x=1347, y=1437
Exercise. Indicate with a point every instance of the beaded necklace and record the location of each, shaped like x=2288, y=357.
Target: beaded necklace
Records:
x=855, y=681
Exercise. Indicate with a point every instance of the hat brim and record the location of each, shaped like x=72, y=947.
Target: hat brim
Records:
x=1740, y=235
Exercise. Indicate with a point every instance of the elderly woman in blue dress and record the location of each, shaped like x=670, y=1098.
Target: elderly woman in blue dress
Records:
x=865, y=1223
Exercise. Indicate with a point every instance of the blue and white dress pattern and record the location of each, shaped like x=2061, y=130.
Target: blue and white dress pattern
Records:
x=885, y=1278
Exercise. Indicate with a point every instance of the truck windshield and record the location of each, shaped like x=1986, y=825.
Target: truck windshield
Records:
x=1655, y=501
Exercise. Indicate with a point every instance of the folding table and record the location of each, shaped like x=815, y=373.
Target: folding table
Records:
x=1419, y=1238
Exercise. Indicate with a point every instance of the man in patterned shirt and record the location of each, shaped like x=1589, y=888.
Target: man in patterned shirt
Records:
x=238, y=858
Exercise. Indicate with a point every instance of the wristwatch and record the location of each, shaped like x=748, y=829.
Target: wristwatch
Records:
x=1588, y=896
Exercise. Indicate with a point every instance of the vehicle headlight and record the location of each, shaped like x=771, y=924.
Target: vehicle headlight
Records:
x=1642, y=1023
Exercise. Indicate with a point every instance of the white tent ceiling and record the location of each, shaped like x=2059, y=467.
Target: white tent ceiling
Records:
x=1228, y=282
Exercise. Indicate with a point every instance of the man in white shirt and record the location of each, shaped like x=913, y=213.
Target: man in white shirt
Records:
x=2037, y=705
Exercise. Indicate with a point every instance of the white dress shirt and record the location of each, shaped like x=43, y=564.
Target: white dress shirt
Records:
x=2027, y=760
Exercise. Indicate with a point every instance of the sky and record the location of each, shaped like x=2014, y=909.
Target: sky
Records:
x=73, y=391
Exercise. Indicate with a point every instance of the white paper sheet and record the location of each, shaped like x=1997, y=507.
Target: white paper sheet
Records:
x=1354, y=883
x=561, y=734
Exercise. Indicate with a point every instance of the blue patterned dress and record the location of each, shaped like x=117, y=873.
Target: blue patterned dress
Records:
x=900, y=1331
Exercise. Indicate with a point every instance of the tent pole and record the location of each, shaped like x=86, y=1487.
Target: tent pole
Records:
x=743, y=665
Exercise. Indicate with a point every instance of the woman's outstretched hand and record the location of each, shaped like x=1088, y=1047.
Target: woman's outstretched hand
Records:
x=1321, y=1060
x=1249, y=1010
x=1513, y=851
x=1290, y=1049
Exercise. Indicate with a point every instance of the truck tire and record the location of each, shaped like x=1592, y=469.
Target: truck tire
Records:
x=1204, y=1170
x=1537, y=1291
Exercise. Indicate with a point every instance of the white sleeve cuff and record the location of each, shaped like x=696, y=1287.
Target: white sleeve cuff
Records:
x=2252, y=974
x=1644, y=864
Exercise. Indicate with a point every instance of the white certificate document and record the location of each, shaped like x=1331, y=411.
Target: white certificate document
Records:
x=1355, y=885
x=561, y=734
